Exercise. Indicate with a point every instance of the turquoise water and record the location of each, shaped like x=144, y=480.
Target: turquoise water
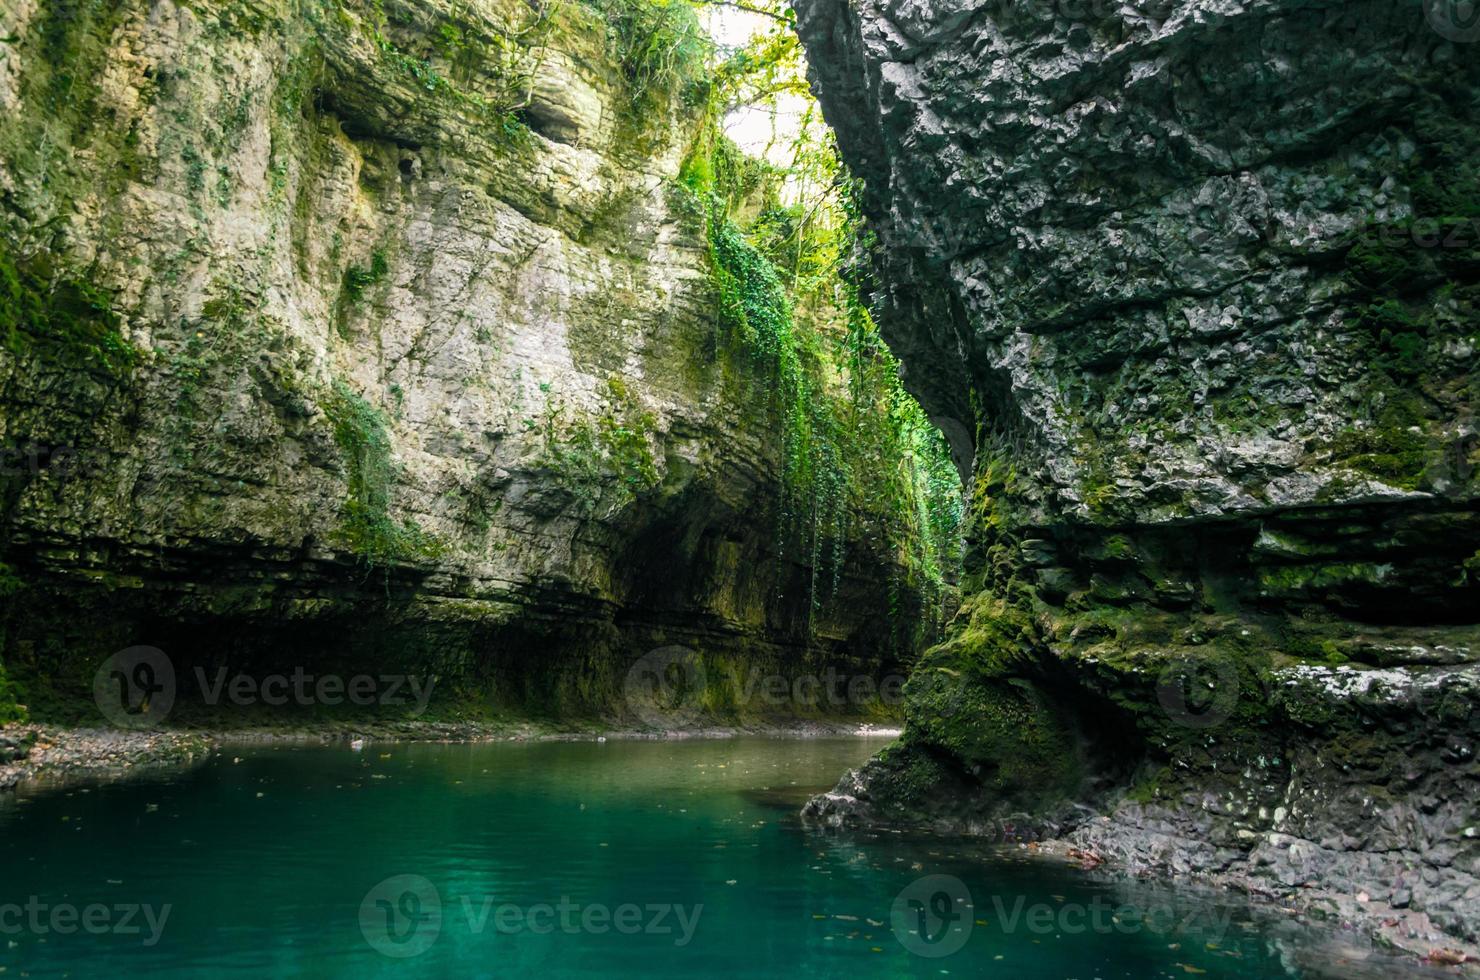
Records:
x=564, y=859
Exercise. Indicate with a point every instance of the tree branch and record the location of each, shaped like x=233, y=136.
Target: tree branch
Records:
x=779, y=18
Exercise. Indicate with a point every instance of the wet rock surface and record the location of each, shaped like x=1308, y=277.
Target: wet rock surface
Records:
x=1175, y=280
x=58, y=756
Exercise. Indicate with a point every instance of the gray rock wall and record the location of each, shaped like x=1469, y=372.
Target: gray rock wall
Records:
x=1192, y=287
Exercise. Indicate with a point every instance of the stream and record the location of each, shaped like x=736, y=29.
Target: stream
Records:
x=575, y=859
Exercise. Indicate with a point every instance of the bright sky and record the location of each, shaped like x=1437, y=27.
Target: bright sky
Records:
x=755, y=130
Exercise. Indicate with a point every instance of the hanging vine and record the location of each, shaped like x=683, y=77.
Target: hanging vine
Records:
x=788, y=290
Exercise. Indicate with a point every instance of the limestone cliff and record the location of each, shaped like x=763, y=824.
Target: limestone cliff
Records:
x=1192, y=286
x=382, y=334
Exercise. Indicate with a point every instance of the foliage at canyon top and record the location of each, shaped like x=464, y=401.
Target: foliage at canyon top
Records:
x=439, y=334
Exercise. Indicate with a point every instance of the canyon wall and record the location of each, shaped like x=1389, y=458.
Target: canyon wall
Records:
x=1192, y=287
x=382, y=336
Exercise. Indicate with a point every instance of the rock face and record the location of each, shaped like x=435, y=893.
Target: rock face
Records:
x=377, y=334
x=1192, y=288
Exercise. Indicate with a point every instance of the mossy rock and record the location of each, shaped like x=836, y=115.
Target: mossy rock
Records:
x=10, y=708
x=64, y=319
x=1007, y=731
x=995, y=639
x=906, y=778
x=366, y=527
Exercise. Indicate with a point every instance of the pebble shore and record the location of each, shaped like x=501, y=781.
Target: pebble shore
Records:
x=40, y=757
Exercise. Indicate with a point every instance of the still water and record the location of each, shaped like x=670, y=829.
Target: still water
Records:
x=565, y=859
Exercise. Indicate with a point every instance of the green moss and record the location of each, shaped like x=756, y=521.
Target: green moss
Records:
x=1399, y=335
x=366, y=526
x=1149, y=786
x=10, y=583
x=1446, y=181
x=357, y=278
x=1393, y=447
x=1097, y=482
x=755, y=314
x=660, y=47
x=356, y=283
x=992, y=639
x=907, y=777
x=72, y=34
x=1306, y=647
x=62, y=56
x=61, y=317
x=296, y=83
x=625, y=432
x=584, y=452
x=1314, y=711
x=10, y=708
x=1413, y=280
x=1303, y=578
x=1007, y=728
x=500, y=110
x=972, y=697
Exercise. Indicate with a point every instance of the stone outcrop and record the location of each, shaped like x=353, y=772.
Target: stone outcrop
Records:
x=381, y=334
x=1191, y=286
